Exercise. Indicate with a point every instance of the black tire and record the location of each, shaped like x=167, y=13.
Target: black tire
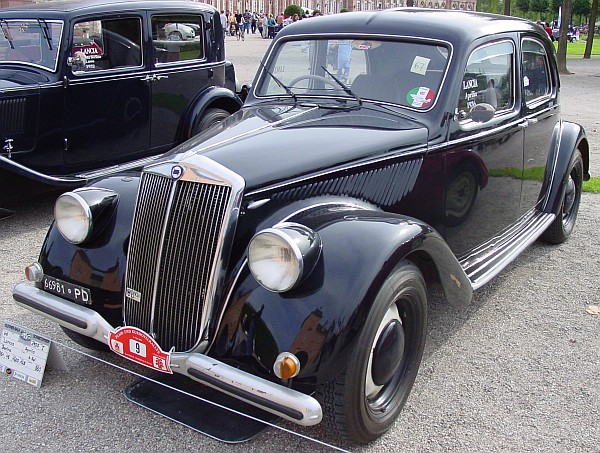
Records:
x=363, y=401
x=562, y=227
x=211, y=117
x=86, y=342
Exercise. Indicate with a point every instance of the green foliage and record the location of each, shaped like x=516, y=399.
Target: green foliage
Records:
x=522, y=5
x=344, y=10
x=539, y=6
x=593, y=185
x=581, y=8
x=292, y=9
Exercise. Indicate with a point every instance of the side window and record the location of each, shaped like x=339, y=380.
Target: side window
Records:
x=106, y=44
x=488, y=79
x=177, y=37
x=536, y=75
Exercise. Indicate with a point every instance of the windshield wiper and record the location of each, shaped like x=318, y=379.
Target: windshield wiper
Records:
x=6, y=31
x=345, y=87
x=44, y=26
x=279, y=82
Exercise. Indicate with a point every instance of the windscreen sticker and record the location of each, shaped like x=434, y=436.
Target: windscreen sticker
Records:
x=419, y=65
x=420, y=97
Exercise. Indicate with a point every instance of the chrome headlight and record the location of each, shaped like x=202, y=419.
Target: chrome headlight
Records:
x=283, y=256
x=79, y=213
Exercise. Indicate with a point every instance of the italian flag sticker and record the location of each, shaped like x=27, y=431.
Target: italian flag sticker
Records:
x=420, y=97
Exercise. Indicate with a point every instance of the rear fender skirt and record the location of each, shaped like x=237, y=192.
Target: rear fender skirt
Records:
x=211, y=97
x=320, y=320
x=566, y=139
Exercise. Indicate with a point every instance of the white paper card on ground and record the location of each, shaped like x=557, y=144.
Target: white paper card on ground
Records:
x=24, y=353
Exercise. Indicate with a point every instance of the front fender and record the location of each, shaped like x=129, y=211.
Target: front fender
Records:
x=100, y=265
x=567, y=138
x=319, y=321
x=211, y=97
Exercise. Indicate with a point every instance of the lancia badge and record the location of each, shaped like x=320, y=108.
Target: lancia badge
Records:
x=176, y=172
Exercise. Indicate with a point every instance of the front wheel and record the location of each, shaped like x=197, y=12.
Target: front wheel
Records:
x=363, y=402
x=562, y=227
x=209, y=118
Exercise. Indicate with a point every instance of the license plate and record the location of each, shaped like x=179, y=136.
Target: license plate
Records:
x=67, y=290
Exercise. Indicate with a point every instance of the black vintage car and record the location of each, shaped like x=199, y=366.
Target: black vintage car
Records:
x=88, y=84
x=283, y=256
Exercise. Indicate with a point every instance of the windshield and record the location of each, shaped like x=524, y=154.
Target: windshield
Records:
x=33, y=42
x=400, y=72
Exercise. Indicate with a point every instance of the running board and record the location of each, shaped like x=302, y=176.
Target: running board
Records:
x=487, y=260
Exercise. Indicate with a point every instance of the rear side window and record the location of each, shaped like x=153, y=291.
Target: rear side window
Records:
x=536, y=72
x=489, y=78
x=177, y=37
x=106, y=44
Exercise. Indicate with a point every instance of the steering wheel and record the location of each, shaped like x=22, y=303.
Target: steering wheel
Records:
x=314, y=77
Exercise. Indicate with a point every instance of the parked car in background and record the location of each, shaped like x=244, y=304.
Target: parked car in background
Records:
x=283, y=256
x=90, y=84
x=180, y=31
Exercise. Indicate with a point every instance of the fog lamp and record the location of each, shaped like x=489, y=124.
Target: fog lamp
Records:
x=286, y=365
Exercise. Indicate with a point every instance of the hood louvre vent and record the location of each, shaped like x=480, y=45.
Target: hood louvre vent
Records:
x=12, y=117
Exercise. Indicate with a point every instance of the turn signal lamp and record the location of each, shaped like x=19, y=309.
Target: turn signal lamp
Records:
x=34, y=272
x=286, y=366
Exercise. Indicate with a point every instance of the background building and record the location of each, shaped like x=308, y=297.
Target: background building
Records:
x=325, y=6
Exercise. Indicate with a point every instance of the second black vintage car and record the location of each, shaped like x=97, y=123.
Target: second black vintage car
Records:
x=283, y=256
x=88, y=84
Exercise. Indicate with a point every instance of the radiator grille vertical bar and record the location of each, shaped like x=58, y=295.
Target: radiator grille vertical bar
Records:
x=144, y=248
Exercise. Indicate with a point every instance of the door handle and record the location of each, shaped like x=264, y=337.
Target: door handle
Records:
x=524, y=124
x=149, y=78
x=160, y=77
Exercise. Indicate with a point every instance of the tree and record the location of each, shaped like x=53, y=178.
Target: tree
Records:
x=581, y=8
x=292, y=9
x=539, y=6
x=591, y=25
x=507, y=7
x=523, y=5
x=561, y=54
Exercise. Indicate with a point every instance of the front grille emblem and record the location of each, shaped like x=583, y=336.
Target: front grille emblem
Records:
x=176, y=172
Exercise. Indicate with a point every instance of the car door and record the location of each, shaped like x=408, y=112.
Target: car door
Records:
x=181, y=71
x=107, y=101
x=482, y=177
x=539, y=86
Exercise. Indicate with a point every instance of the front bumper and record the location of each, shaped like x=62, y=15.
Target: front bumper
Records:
x=276, y=399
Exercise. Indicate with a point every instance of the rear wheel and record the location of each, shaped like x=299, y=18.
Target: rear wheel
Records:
x=562, y=227
x=210, y=118
x=366, y=398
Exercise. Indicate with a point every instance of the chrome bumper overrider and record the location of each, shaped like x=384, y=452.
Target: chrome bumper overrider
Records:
x=277, y=399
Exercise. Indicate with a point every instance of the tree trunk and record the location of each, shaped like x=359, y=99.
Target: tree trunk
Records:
x=507, y=7
x=561, y=55
x=591, y=27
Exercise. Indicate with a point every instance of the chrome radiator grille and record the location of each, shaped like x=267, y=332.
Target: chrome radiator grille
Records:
x=172, y=257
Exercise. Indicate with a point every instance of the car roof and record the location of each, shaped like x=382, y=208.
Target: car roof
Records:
x=457, y=27
x=77, y=7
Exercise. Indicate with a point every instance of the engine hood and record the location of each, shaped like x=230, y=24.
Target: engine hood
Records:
x=266, y=145
x=15, y=79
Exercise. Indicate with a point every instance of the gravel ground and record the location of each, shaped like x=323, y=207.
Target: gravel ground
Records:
x=517, y=371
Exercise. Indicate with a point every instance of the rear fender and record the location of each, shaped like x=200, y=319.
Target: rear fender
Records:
x=320, y=320
x=567, y=138
x=211, y=97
